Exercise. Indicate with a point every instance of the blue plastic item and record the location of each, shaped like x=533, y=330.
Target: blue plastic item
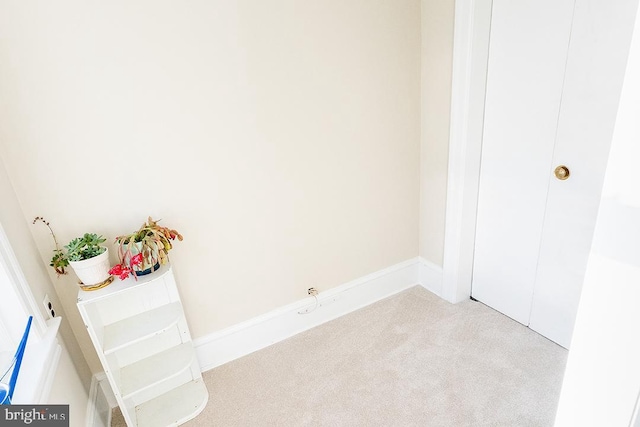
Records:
x=6, y=392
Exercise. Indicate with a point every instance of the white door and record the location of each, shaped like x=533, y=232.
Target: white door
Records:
x=554, y=75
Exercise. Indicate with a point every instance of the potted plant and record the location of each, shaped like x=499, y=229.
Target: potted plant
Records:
x=86, y=255
x=143, y=251
x=89, y=259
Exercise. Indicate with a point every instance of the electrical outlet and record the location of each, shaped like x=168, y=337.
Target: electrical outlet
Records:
x=312, y=291
x=51, y=313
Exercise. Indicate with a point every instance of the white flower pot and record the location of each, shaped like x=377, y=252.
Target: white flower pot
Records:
x=94, y=270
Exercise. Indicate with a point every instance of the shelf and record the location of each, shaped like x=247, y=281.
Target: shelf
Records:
x=153, y=370
x=142, y=339
x=122, y=286
x=141, y=326
x=175, y=407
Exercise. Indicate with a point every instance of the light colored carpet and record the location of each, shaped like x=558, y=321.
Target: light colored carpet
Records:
x=410, y=360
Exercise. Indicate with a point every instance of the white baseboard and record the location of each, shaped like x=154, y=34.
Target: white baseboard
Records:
x=106, y=389
x=431, y=276
x=244, y=338
x=101, y=400
x=92, y=404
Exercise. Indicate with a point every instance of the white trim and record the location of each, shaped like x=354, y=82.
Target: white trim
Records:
x=51, y=337
x=635, y=418
x=430, y=276
x=42, y=353
x=39, y=366
x=106, y=389
x=92, y=403
x=96, y=391
x=470, y=54
x=20, y=285
x=244, y=338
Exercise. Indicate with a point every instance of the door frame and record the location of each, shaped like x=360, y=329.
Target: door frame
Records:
x=470, y=59
x=472, y=27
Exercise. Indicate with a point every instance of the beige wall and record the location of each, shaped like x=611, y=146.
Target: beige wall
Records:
x=437, y=58
x=73, y=377
x=281, y=138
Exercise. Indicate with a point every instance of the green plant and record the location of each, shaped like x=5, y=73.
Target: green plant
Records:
x=85, y=247
x=78, y=249
x=59, y=261
x=151, y=247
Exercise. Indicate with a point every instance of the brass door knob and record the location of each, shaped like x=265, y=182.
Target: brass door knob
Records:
x=562, y=172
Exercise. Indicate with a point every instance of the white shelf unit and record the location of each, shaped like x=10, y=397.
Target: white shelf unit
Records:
x=140, y=332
